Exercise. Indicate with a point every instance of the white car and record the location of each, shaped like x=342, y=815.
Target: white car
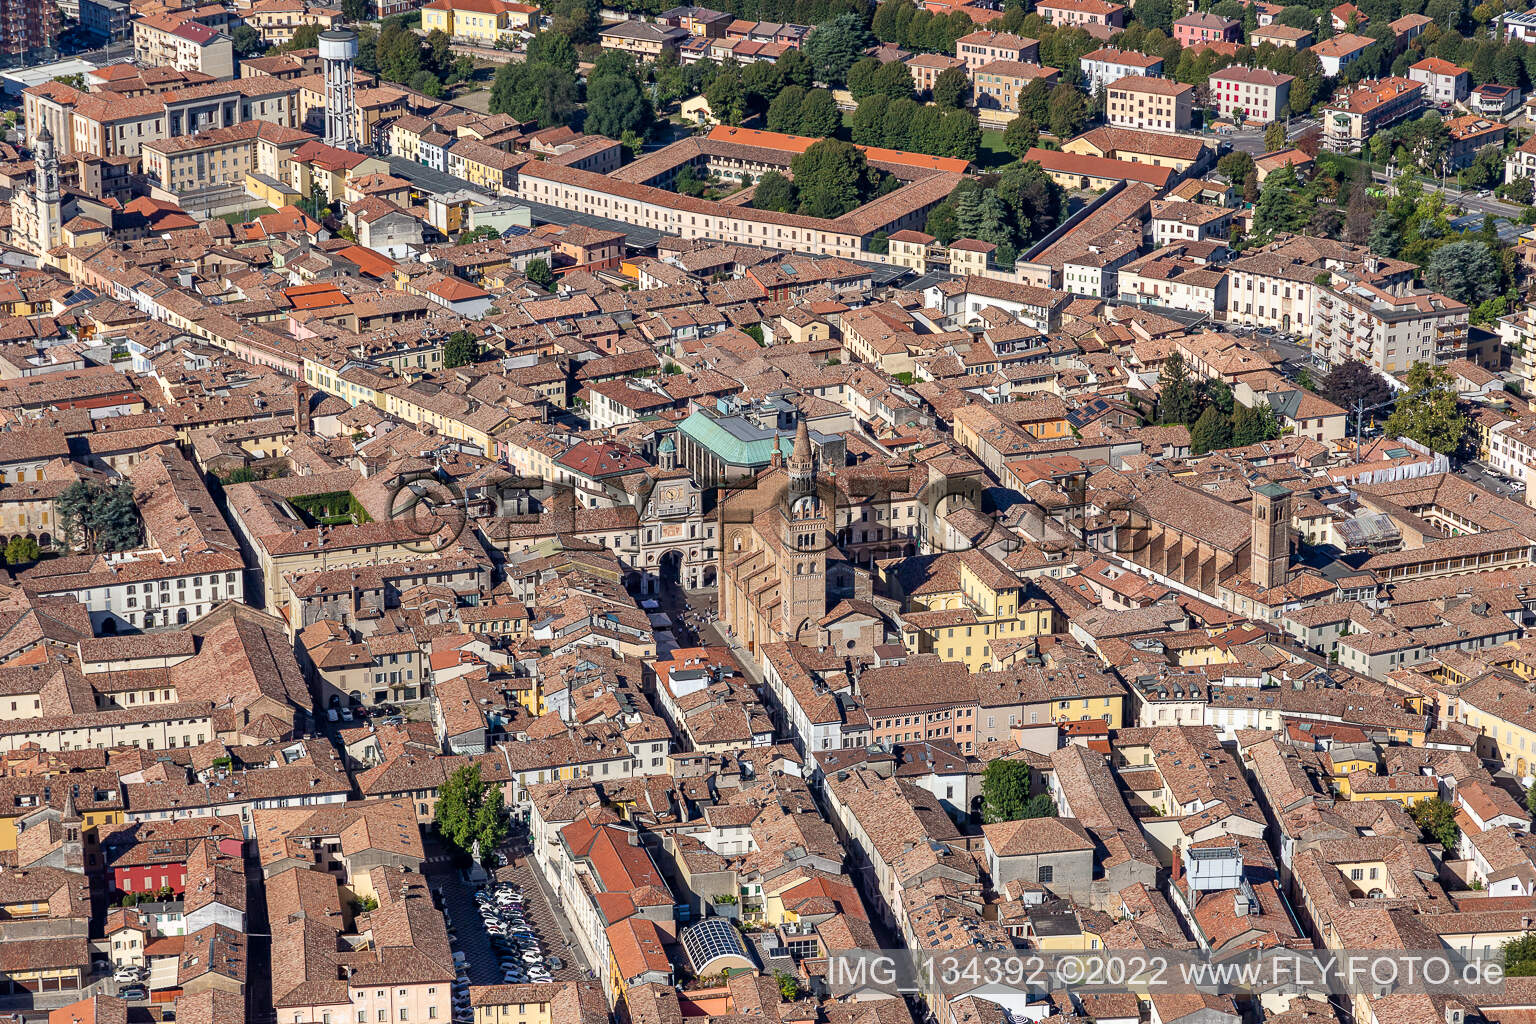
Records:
x=127, y=975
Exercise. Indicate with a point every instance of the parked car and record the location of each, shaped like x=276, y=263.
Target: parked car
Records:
x=133, y=994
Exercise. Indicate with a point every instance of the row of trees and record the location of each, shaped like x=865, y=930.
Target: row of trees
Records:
x=1012, y=210
x=397, y=54
x=543, y=87
x=830, y=178
x=915, y=127
x=809, y=112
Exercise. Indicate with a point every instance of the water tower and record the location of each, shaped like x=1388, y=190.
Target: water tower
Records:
x=338, y=50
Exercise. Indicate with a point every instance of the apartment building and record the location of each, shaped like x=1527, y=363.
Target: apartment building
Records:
x=1206, y=27
x=1281, y=35
x=277, y=20
x=643, y=40
x=1082, y=13
x=1468, y=134
x=1171, y=277
x=196, y=43
x=984, y=47
x=1340, y=52
x=1177, y=221
x=1276, y=286
x=29, y=31
x=222, y=156
x=106, y=125
x=1388, y=332
x=1150, y=104
x=1365, y=109
x=927, y=67
x=1251, y=94
x=1183, y=154
x=1521, y=162
x=1443, y=81
x=481, y=22
x=996, y=85
x=1110, y=64
x=392, y=964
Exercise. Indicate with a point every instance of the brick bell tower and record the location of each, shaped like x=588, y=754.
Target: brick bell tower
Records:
x=803, y=569
x=1269, y=561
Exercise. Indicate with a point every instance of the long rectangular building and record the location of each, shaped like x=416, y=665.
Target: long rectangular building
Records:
x=599, y=195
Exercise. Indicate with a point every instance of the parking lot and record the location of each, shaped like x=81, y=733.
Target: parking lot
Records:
x=551, y=929
x=483, y=953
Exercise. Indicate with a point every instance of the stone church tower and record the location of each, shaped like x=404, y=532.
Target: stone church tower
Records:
x=46, y=198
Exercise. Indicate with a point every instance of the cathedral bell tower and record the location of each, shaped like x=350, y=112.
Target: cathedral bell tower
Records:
x=803, y=580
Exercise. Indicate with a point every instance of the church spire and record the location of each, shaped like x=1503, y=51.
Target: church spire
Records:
x=802, y=467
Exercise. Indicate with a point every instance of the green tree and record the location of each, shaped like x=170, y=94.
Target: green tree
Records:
x=1530, y=798
x=942, y=223
x=1067, y=111
x=959, y=136
x=1177, y=398
x=1279, y=208
x=1427, y=411
x=1520, y=957
x=470, y=809
x=1352, y=381
x=1437, y=821
x=538, y=272
x=1386, y=238
x=459, y=350
x=1274, y=137
x=1466, y=271
x=1210, y=432
x=775, y=192
x=240, y=475
x=553, y=48
x=483, y=233
x=305, y=37
x=819, y=117
x=537, y=92
x=1254, y=423
x=1004, y=790
x=426, y=83
x=247, y=43
x=727, y=96
x=1035, y=199
x=1235, y=166
x=833, y=177
x=357, y=10
x=439, y=51
x=615, y=105
x=99, y=517
x=789, y=985
x=867, y=126
x=784, y=111
x=22, y=551
x=1156, y=14
x=1021, y=136
x=835, y=46
x=952, y=89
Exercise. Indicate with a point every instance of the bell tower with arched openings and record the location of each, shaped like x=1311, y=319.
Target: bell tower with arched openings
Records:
x=803, y=568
